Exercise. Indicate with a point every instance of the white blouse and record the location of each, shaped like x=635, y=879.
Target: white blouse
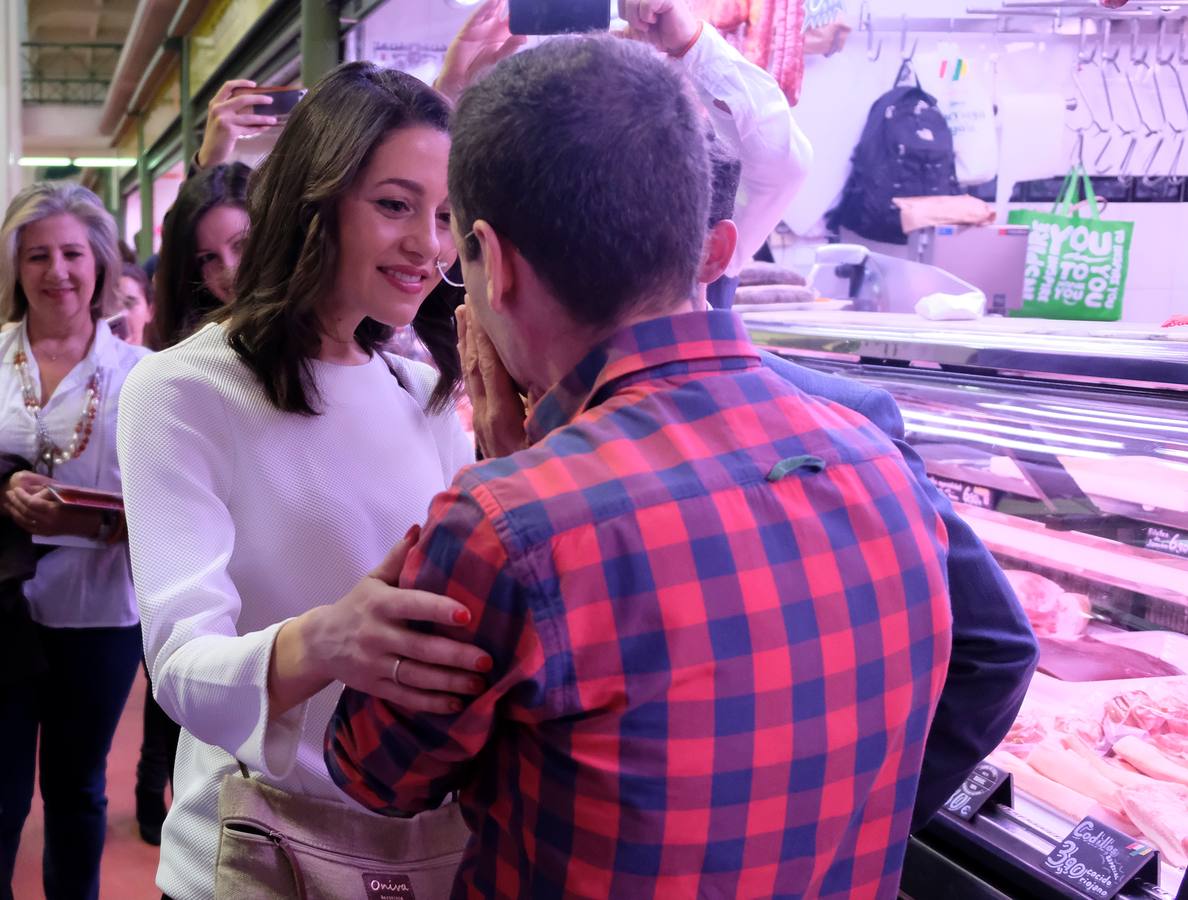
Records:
x=75, y=587
x=242, y=517
x=752, y=118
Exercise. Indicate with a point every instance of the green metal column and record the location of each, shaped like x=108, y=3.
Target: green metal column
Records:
x=121, y=214
x=144, y=240
x=112, y=192
x=189, y=138
x=319, y=39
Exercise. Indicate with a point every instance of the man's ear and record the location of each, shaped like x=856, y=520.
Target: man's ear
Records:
x=718, y=251
x=498, y=270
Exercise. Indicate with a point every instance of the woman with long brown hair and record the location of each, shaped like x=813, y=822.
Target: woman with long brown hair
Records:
x=202, y=240
x=273, y=459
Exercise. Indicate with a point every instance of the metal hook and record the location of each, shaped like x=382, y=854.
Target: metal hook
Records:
x=1160, y=38
x=907, y=55
x=1167, y=61
x=1148, y=180
x=1096, y=121
x=1136, y=58
x=1105, y=148
x=1085, y=53
x=1137, y=61
x=1107, y=33
x=866, y=20
x=1111, y=57
x=1078, y=155
x=1173, y=177
x=1123, y=178
x=1176, y=72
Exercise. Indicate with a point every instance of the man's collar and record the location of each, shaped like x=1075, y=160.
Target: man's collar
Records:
x=698, y=337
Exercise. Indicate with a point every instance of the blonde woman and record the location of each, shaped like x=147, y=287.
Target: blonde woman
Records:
x=61, y=372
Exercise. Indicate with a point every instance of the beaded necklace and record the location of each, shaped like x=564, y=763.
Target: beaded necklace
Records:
x=49, y=454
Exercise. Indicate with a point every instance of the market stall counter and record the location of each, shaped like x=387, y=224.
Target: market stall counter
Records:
x=1065, y=446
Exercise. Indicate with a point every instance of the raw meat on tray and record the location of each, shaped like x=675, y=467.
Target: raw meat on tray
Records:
x=1088, y=659
x=1052, y=611
x=1161, y=813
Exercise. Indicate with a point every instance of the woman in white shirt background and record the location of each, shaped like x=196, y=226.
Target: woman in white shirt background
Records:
x=61, y=374
x=275, y=458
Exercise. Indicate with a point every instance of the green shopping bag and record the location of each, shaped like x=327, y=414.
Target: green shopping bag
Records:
x=1076, y=265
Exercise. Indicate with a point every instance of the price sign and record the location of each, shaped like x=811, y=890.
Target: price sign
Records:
x=1167, y=541
x=984, y=784
x=1098, y=861
x=970, y=494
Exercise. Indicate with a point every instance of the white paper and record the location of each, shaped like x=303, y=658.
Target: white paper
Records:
x=952, y=307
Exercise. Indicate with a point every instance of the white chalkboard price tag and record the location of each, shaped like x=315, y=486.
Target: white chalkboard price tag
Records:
x=1100, y=862
x=985, y=784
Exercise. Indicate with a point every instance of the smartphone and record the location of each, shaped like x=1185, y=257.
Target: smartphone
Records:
x=283, y=100
x=558, y=16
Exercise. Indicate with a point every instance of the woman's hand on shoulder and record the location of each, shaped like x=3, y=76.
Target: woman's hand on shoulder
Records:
x=365, y=640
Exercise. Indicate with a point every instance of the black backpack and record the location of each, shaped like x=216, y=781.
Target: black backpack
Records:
x=906, y=150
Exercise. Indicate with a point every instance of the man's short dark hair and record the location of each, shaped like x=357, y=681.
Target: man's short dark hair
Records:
x=588, y=154
x=725, y=172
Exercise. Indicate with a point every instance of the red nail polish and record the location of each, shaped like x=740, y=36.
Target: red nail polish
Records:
x=485, y=664
x=477, y=686
x=462, y=616
x=413, y=534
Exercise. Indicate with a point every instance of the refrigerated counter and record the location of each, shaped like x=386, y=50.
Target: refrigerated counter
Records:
x=1065, y=446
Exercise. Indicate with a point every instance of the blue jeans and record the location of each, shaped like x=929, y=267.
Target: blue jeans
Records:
x=76, y=708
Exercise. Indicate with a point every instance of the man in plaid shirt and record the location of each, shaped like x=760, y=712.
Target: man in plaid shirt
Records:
x=717, y=608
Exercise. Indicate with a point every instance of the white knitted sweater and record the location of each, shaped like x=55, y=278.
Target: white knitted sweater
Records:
x=241, y=517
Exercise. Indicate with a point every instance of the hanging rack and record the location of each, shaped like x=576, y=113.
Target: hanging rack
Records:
x=1031, y=18
x=1160, y=130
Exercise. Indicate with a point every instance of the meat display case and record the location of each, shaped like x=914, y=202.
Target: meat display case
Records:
x=1065, y=446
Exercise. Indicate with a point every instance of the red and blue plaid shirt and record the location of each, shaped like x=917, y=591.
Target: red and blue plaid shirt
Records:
x=720, y=626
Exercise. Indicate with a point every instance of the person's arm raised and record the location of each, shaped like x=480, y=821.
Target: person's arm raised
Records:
x=484, y=40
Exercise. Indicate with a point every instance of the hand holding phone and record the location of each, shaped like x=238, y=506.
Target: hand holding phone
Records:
x=277, y=102
x=238, y=110
x=669, y=25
